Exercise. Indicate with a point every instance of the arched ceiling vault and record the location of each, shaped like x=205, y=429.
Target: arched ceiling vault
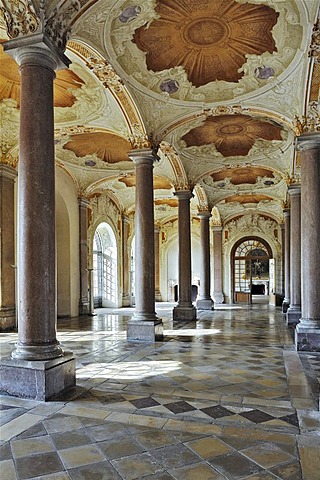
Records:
x=216, y=85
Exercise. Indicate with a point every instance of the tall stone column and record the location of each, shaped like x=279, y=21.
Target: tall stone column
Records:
x=204, y=301
x=218, y=296
x=185, y=309
x=39, y=368
x=7, y=249
x=144, y=325
x=157, y=263
x=125, y=262
x=307, y=334
x=83, y=256
x=294, y=310
x=286, y=258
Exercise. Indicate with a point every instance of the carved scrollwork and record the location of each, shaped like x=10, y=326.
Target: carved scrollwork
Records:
x=314, y=50
x=24, y=17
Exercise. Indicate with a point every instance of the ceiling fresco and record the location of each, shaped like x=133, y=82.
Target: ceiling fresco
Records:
x=232, y=135
x=210, y=40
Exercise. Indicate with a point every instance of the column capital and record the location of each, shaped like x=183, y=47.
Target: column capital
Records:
x=7, y=171
x=142, y=156
x=308, y=141
x=294, y=189
x=217, y=228
x=83, y=202
x=204, y=215
x=183, y=194
x=36, y=49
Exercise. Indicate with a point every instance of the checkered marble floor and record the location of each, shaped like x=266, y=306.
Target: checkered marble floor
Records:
x=227, y=397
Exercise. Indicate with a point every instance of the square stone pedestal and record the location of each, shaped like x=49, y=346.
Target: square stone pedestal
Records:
x=39, y=380
x=144, y=331
x=293, y=315
x=205, y=304
x=307, y=339
x=188, y=314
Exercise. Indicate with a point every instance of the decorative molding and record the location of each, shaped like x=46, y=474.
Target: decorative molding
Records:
x=25, y=18
x=181, y=179
x=314, y=50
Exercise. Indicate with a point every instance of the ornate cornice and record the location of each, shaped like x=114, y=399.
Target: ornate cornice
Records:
x=314, y=50
x=25, y=18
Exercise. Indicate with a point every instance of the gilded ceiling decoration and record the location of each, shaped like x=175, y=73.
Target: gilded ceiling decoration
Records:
x=108, y=147
x=65, y=81
x=232, y=135
x=241, y=175
x=247, y=198
x=159, y=183
x=210, y=39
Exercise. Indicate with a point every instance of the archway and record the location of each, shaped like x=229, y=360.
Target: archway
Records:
x=251, y=273
x=105, y=281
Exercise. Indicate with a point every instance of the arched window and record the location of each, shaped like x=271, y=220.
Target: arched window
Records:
x=104, y=267
x=250, y=269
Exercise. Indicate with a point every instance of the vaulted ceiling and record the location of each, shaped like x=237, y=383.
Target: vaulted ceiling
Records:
x=214, y=84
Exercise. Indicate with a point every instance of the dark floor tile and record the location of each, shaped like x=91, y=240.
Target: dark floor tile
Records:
x=257, y=416
x=97, y=471
x=11, y=414
x=37, y=430
x=144, y=402
x=38, y=465
x=217, y=411
x=292, y=419
x=288, y=471
x=179, y=407
x=235, y=466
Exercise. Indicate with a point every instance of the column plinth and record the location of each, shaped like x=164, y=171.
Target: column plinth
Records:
x=36, y=259
x=144, y=325
x=204, y=301
x=185, y=310
x=307, y=334
x=294, y=310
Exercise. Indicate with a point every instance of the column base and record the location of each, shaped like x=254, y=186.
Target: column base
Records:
x=125, y=300
x=7, y=319
x=39, y=380
x=205, y=304
x=218, y=297
x=158, y=296
x=293, y=315
x=37, y=352
x=84, y=308
x=185, y=313
x=145, y=330
x=307, y=339
x=285, y=306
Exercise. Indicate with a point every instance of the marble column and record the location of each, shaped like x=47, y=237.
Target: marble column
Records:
x=144, y=325
x=39, y=368
x=83, y=256
x=218, y=296
x=185, y=310
x=294, y=310
x=286, y=259
x=125, y=262
x=157, y=263
x=307, y=334
x=204, y=301
x=7, y=249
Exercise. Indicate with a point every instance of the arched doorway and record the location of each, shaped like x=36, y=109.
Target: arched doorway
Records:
x=251, y=272
x=105, y=279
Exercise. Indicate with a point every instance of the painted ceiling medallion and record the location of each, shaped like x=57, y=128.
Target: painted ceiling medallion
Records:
x=108, y=147
x=159, y=183
x=209, y=38
x=65, y=81
x=237, y=176
x=232, y=135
